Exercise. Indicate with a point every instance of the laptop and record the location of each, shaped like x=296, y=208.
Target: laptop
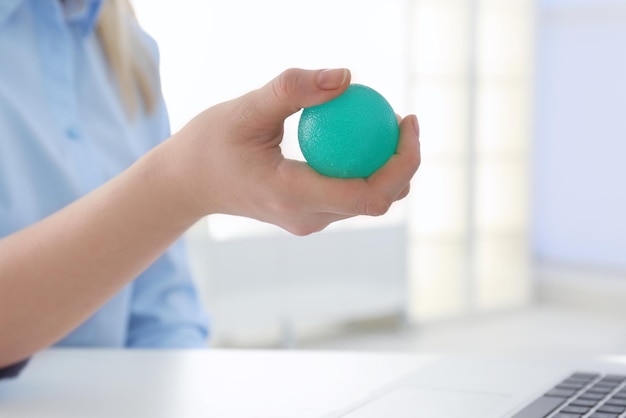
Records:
x=499, y=387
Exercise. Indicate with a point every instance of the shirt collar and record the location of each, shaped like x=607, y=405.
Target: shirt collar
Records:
x=81, y=12
x=7, y=7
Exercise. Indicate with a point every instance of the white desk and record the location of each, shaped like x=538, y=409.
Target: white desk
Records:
x=189, y=384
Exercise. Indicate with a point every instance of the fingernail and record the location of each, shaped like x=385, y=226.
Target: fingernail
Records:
x=331, y=79
x=416, y=126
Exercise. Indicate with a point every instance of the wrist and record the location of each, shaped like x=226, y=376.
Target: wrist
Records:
x=166, y=176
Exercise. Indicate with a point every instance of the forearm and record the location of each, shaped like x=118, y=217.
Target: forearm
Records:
x=56, y=273
x=226, y=160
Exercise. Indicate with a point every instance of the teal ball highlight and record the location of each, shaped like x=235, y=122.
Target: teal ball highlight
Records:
x=350, y=136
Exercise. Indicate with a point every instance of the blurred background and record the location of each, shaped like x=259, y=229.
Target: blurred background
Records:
x=514, y=237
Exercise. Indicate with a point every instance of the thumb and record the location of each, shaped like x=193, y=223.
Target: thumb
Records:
x=295, y=89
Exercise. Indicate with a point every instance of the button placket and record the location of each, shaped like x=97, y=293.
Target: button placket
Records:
x=58, y=56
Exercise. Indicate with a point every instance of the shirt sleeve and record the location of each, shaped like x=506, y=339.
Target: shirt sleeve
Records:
x=166, y=311
x=14, y=370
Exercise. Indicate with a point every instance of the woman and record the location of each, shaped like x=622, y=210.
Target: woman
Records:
x=92, y=200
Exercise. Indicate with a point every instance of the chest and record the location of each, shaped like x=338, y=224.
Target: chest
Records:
x=63, y=131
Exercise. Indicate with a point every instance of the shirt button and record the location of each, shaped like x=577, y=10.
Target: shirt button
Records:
x=72, y=133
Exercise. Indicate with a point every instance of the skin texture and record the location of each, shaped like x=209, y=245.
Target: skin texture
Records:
x=57, y=272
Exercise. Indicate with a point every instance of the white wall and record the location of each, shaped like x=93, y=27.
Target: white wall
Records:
x=579, y=208
x=262, y=284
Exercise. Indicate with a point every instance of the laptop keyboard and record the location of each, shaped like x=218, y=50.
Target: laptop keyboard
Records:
x=581, y=395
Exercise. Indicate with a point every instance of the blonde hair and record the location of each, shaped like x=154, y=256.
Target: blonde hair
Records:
x=128, y=57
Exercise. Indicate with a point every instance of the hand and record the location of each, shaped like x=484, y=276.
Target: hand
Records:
x=231, y=159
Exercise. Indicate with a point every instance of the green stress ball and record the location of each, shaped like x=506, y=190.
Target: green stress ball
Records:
x=351, y=136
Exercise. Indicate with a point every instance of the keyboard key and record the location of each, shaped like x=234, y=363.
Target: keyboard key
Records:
x=607, y=385
x=541, y=407
x=583, y=402
x=591, y=396
x=611, y=383
x=619, y=395
x=571, y=386
x=561, y=393
x=577, y=410
x=577, y=379
x=615, y=377
x=584, y=376
x=610, y=387
x=576, y=382
x=616, y=402
x=603, y=415
x=612, y=409
x=600, y=390
x=560, y=415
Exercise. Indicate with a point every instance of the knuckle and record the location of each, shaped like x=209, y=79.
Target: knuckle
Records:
x=417, y=160
x=305, y=227
x=377, y=206
x=284, y=85
x=413, y=160
x=301, y=230
x=405, y=192
x=298, y=223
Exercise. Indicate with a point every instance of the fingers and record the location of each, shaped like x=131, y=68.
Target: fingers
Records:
x=404, y=192
x=295, y=89
x=392, y=178
x=323, y=194
x=372, y=196
x=313, y=223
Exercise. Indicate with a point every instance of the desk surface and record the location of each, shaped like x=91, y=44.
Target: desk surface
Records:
x=212, y=383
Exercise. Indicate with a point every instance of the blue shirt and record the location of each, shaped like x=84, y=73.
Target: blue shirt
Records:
x=63, y=132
